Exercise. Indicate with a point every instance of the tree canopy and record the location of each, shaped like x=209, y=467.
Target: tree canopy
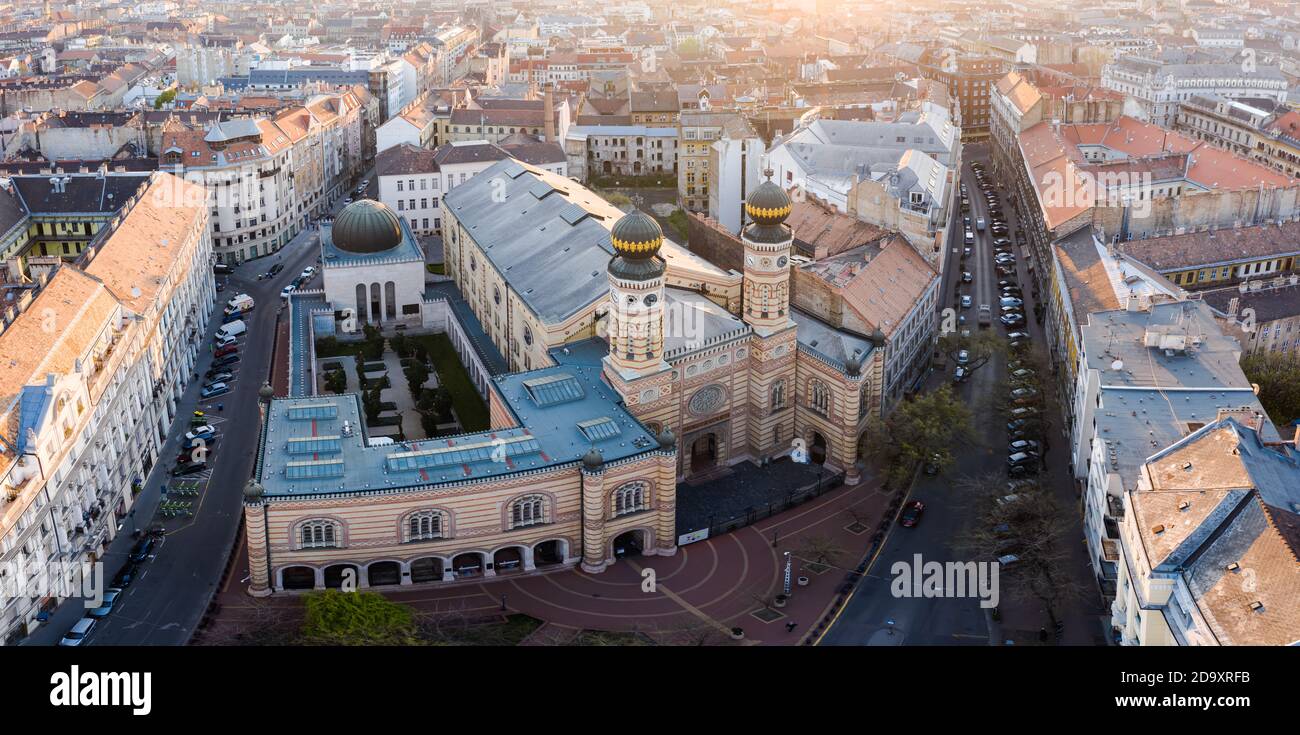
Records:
x=337, y=618
x=1278, y=377
x=918, y=430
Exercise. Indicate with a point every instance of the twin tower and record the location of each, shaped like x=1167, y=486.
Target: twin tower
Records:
x=636, y=281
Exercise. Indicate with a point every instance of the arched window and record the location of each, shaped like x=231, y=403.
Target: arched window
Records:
x=425, y=525
x=527, y=511
x=864, y=400
x=819, y=398
x=778, y=395
x=319, y=535
x=630, y=498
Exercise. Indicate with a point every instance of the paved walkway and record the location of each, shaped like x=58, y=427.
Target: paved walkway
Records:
x=698, y=595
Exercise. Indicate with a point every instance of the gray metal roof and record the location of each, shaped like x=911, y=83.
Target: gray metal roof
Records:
x=522, y=221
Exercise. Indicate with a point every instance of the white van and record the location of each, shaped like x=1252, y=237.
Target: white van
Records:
x=233, y=329
x=239, y=304
x=78, y=634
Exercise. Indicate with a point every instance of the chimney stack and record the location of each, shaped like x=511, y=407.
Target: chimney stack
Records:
x=549, y=115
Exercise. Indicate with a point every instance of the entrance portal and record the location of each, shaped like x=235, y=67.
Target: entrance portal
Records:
x=629, y=543
x=704, y=453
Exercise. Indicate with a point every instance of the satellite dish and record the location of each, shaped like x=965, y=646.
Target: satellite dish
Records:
x=135, y=292
x=1117, y=365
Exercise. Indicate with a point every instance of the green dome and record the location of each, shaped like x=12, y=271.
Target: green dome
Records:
x=592, y=459
x=366, y=226
x=768, y=204
x=636, y=235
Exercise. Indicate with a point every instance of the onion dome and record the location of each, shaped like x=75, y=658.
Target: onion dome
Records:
x=667, y=440
x=636, y=238
x=853, y=364
x=252, y=491
x=592, y=459
x=266, y=392
x=637, y=235
x=768, y=204
x=366, y=226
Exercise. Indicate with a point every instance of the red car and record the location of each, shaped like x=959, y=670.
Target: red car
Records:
x=911, y=514
x=227, y=350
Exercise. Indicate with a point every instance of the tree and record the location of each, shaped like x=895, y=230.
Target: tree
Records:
x=920, y=430
x=1278, y=376
x=416, y=375
x=401, y=345
x=820, y=550
x=618, y=199
x=679, y=223
x=337, y=618
x=371, y=402
x=1027, y=527
x=689, y=48
x=167, y=96
x=982, y=345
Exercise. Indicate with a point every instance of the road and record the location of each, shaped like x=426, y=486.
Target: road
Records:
x=167, y=600
x=867, y=618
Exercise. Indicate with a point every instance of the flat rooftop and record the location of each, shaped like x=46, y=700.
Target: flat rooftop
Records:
x=319, y=445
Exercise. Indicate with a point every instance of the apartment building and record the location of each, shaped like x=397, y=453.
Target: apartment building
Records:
x=1157, y=88
x=269, y=176
x=94, y=366
x=1207, y=542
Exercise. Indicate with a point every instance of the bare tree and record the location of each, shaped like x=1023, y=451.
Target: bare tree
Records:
x=1027, y=527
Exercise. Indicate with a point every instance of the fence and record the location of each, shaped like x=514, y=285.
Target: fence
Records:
x=758, y=512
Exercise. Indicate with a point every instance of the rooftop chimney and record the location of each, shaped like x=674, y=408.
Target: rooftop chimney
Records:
x=548, y=119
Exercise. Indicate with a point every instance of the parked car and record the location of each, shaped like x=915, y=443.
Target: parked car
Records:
x=224, y=350
x=967, y=277
x=963, y=357
x=307, y=272
x=1011, y=301
x=1023, y=445
x=141, y=550
x=125, y=576
x=960, y=374
x=78, y=634
x=966, y=301
x=205, y=431
x=1025, y=392
x=1023, y=412
x=110, y=596
x=1013, y=319
x=189, y=468
x=221, y=376
x=1018, y=335
x=932, y=465
x=911, y=514
x=275, y=269
x=1021, y=373
x=214, y=390
x=225, y=361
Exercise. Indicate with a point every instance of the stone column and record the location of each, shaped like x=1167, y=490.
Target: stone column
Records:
x=593, y=520
x=528, y=559
x=405, y=570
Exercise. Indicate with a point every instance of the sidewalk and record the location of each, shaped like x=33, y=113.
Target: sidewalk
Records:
x=699, y=593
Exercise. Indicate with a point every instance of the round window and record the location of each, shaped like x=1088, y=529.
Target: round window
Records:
x=528, y=336
x=496, y=294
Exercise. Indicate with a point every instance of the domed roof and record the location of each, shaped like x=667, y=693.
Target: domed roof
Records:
x=592, y=459
x=252, y=490
x=666, y=439
x=768, y=204
x=637, y=236
x=366, y=226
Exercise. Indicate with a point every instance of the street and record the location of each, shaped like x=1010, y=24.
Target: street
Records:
x=874, y=616
x=170, y=594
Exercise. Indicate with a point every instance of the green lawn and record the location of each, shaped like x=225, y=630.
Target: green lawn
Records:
x=470, y=408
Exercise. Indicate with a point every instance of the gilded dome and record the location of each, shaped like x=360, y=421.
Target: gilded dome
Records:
x=366, y=226
x=637, y=236
x=768, y=204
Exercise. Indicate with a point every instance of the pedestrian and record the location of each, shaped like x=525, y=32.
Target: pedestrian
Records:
x=789, y=627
